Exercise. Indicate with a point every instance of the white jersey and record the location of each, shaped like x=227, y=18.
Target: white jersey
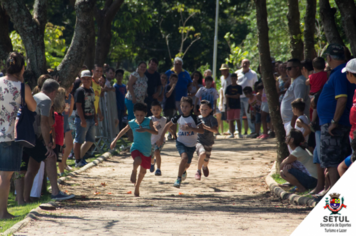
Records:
x=159, y=124
x=187, y=138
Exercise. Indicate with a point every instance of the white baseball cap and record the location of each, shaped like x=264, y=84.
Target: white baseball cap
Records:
x=85, y=73
x=350, y=66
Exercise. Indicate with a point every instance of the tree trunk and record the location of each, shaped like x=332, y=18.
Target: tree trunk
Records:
x=75, y=56
x=295, y=33
x=5, y=41
x=90, y=52
x=31, y=29
x=327, y=15
x=268, y=79
x=104, y=19
x=309, y=30
x=348, y=10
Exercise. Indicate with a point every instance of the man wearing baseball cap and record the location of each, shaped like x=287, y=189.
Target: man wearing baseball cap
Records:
x=333, y=108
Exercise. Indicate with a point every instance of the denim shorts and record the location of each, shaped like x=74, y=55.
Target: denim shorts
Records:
x=84, y=134
x=316, y=154
x=258, y=118
x=307, y=181
x=184, y=149
x=10, y=156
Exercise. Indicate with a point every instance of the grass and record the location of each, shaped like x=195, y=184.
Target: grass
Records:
x=22, y=211
x=278, y=179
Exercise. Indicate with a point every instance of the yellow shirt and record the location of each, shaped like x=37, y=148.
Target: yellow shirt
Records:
x=97, y=91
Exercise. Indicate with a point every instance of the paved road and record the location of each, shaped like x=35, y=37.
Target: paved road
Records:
x=233, y=200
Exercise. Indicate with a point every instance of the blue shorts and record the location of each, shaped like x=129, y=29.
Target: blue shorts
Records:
x=11, y=156
x=184, y=149
x=348, y=161
x=307, y=181
x=84, y=134
x=258, y=118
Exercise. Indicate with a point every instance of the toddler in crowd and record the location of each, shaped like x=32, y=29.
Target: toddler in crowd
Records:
x=319, y=78
x=159, y=123
x=207, y=93
x=189, y=127
x=169, y=107
x=142, y=128
x=58, y=107
x=302, y=122
x=232, y=95
x=254, y=102
x=205, y=142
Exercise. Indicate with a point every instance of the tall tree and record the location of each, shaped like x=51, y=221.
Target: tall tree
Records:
x=327, y=15
x=268, y=79
x=104, y=18
x=31, y=29
x=75, y=56
x=295, y=33
x=348, y=9
x=309, y=30
x=5, y=41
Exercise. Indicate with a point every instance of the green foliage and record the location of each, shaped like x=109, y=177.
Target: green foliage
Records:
x=236, y=54
x=55, y=45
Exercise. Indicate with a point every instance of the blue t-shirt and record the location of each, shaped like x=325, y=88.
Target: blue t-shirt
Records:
x=142, y=141
x=182, y=85
x=348, y=161
x=337, y=86
x=120, y=96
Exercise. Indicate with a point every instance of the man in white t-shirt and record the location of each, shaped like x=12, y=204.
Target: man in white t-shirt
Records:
x=246, y=78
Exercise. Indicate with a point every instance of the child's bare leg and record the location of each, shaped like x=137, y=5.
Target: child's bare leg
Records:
x=136, y=163
x=321, y=180
x=264, y=121
x=201, y=160
x=158, y=158
x=183, y=164
x=218, y=117
x=257, y=128
x=231, y=127
x=239, y=126
x=139, y=180
x=19, y=187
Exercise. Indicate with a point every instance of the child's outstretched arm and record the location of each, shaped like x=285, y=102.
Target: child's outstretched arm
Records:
x=199, y=129
x=122, y=132
x=151, y=130
x=288, y=160
x=211, y=129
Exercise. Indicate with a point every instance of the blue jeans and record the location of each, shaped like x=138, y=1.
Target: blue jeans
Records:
x=244, y=107
x=10, y=156
x=120, y=116
x=307, y=181
x=86, y=133
x=316, y=154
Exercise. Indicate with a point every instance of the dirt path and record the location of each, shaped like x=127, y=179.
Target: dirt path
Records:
x=233, y=200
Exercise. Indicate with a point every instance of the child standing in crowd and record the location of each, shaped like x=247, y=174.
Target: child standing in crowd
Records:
x=319, y=78
x=58, y=107
x=193, y=89
x=232, y=95
x=169, y=107
x=159, y=123
x=206, y=140
x=121, y=91
x=298, y=168
x=85, y=120
x=254, y=102
x=142, y=128
x=162, y=97
x=207, y=93
x=302, y=122
x=189, y=127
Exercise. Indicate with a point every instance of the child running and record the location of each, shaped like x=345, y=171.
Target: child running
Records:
x=205, y=140
x=142, y=128
x=189, y=127
x=159, y=123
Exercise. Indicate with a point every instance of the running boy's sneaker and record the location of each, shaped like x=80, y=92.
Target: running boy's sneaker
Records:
x=198, y=175
x=177, y=183
x=184, y=176
x=80, y=164
x=158, y=172
x=206, y=171
x=152, y=169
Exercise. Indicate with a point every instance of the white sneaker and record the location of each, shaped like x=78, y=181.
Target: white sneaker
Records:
x=69, y=168
x=236, y=132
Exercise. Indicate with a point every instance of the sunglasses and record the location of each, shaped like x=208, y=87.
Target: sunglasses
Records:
x=289, y=68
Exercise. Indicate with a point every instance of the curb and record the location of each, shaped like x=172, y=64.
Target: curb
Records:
x=34, y=212
x=278, y=191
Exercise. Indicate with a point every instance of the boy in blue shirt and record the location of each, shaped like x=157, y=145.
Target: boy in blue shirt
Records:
x=142, y=128
x=120, y=90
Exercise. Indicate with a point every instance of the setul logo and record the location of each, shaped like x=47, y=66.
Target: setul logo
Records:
x=335, y=205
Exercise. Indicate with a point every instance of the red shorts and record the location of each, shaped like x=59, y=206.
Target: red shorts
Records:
x=233, y=114
x=146, y=161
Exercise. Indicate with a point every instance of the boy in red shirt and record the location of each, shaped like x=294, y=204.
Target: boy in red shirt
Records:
x=319, y=78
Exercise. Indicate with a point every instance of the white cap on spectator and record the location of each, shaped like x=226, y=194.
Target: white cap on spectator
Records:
x=178, y=59
x=350, y=66
x=85, y=73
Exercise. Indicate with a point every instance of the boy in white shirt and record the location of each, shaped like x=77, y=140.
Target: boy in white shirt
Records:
x=302, y=122
x=159, y=122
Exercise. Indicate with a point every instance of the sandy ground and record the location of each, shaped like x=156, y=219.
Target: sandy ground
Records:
x=233, y=200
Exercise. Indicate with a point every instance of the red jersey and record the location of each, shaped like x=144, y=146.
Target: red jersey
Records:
x=353, y=116
x=317, y=81
x=59, y=128
x=212, y=85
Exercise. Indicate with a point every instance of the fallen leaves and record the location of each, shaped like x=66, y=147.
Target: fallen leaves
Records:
x=96, y=193
x=129, y=192
x=181, y=193
x=103, y=184
x=109, y=193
